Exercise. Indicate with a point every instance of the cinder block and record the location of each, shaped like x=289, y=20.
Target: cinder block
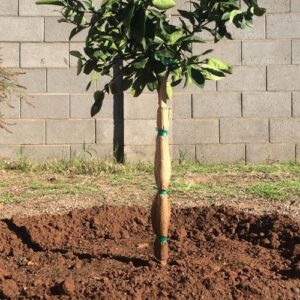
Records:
x=273, y=6
x=284, y=78
x=268, y=104
x=8, y=8
x=21, y=29
x=283, y=26
x=270, y=153
x=104, y=131
x=70, y=131
x=254, y=33
x=295, y=6
x=283, y=130
x=10, y=152
x=195, y=131
x=80, y=106
x=181, y=106
x=296, y=104
x=76, y=47
x=39, y=153
x=183, y=152
x=92, y=150
x=296, y=51
x=66, y=81
x=139, y=153
x=218, y=153
x=215, y=104
x=10, y=109
x=245, y=79
x=60, y=32
x=45, y=107
x=30, y=8
x=139, y=132
x=44, y=55
x=227, y=51
x=240, y=130
x=9, y=55
x=266, y=52
x=33, y=79
x=24, y=132
x=142, y=107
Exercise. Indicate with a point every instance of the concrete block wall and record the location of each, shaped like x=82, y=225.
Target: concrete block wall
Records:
x=252, y=116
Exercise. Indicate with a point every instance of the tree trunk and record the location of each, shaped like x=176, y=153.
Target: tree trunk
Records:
x=161, y=210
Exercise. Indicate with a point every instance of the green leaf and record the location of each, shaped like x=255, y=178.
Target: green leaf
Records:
x=141, y=63
x=76, y=54
x=128, y=14
x=212, y=74
x=96, y=107
x=79, y=65
x=234, y=13
x=216, y=64
x=163, y=4
x=138, y=25
x=50, y=2
x=126, y=83
x=197, y=77
x=169, y=90
x=259, y=11
x=175, y=36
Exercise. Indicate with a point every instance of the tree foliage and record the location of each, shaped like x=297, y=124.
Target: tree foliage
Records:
x=140, y=34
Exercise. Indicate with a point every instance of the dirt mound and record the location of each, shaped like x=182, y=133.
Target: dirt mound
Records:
x=106, y=253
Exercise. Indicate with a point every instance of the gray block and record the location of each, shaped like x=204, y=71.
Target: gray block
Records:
x=139, y=132
x=44, y=55
x=24, y=132
x=244, y=130
x=21, y=29
x=244, y=79
x=10, y=109
x=254, y=33
x=284, y=78
x=80, y=106
x=216, y=104
x=218, y=153
x=8, y=7
x=70, y=131
x=45, y=107
x=33, y=79
x=181, y=106
x=283, y=26
x=76, y=47
x=30, y=8
x=295, y=6
x=104, y=131
x=92, y=150
x=296, y=104
x=273, y=6
x=39, y=153
x=60, y=32
x=10, y=152
x=227, y=51
x=267, y=104
x=296, y=52
x=9, y=55
x=195, y=131
x=266, y=52
x=284, y=130
x=183, y=152
x=139, y=153
x=270, y=153
x=66, y=81
x=142, y=107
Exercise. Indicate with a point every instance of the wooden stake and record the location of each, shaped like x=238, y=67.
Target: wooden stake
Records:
x=161, y=211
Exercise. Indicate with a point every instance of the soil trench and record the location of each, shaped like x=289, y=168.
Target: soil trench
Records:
x=106, y=253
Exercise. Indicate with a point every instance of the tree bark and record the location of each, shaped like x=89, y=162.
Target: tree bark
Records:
x=161, y=211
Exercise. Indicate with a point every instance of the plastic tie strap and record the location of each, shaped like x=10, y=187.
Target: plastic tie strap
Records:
x=163, y=239
x=163, y=192
x=162, y=132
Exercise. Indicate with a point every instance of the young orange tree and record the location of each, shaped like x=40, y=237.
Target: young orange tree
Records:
x=154, y=54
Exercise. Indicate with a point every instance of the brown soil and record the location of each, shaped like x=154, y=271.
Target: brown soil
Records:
x=106, y=253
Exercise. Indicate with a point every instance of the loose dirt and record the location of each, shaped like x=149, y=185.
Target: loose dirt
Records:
x=106, y=253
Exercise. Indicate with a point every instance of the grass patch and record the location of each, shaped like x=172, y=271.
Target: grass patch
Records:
x=6, y=198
